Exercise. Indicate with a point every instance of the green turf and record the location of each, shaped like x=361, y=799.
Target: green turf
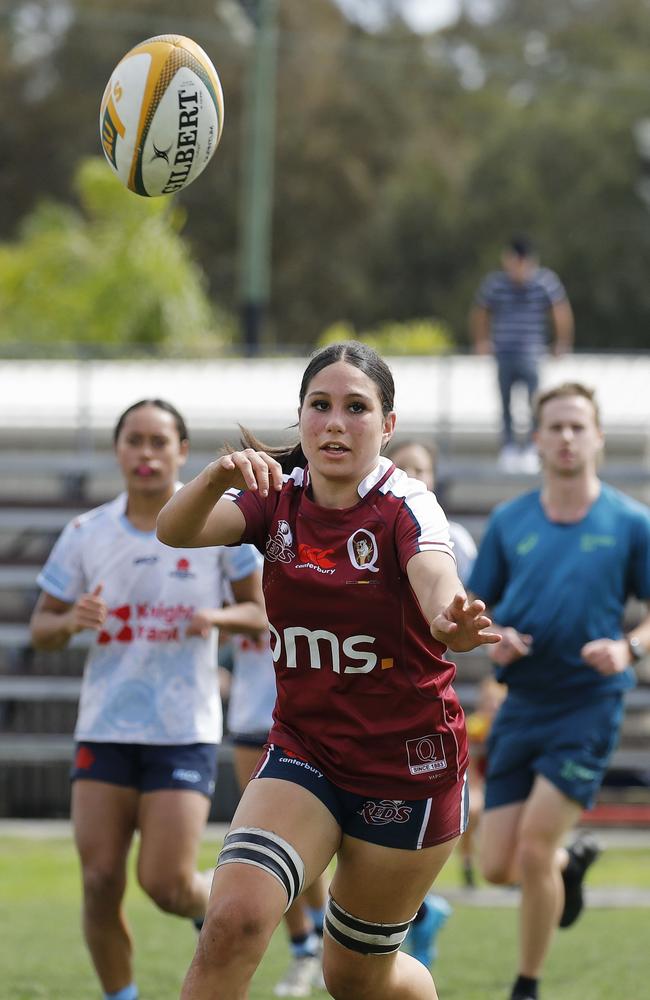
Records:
x=42, y=956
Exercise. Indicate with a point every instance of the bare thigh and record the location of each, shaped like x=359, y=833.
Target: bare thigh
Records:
x=498, y=836
x=104, y=818
x=383, y=884
x=245, y=759
x=290, y=812
x=548, y=814
x=544, y=817
x=171, y=824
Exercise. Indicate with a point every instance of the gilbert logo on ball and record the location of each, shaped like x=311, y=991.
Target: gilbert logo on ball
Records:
x=161, y=115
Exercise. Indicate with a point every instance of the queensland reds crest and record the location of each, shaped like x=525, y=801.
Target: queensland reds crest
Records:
x=386, y=811
x=363, y=551
x=278, y=547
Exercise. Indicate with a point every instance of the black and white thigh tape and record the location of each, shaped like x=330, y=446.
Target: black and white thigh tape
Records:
x=249, y=846
x=361, y=935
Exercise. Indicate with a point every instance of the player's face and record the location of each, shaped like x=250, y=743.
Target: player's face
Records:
x=568, y=438
x=149, y=451
x=416, y=462
x=342, y=427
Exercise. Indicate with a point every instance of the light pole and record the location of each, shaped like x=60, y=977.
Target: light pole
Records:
x=257, y=188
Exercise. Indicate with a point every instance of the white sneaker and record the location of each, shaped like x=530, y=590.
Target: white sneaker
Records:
x=529, y=460
x=509, y=459
x=301, y=975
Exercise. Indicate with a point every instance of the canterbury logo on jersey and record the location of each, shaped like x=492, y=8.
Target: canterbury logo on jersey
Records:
x=313, y=558
x=346, y=656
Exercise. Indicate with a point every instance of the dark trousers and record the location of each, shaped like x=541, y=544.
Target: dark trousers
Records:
x=513, y=368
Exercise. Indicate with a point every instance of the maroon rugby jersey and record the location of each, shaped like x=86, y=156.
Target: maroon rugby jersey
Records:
x=363, y=689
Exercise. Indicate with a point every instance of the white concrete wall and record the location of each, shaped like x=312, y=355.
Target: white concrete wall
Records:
x=454, y=394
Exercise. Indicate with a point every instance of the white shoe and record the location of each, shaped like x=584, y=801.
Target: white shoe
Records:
x=302, y=974
x=529, y=460
x=206, y=877
x=509, y=459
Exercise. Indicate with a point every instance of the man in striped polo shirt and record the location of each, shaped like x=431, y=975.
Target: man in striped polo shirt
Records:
x=512, y=312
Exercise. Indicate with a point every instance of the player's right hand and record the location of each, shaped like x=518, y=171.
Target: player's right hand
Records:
x=89, y=611
x=513, y=646
x=246, y=470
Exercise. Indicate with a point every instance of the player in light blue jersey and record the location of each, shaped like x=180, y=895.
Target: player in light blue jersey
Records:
x=556, y=567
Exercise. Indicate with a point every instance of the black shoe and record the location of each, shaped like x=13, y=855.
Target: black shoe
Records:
x=469, y=878
x=582, y=855
x=525, y=989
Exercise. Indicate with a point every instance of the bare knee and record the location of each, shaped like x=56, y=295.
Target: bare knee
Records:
x=344, y=985
x=103, y=886
x=352, y=976
x=235, y=930
x=172, y=893
x=498, y=869
x=535, y=857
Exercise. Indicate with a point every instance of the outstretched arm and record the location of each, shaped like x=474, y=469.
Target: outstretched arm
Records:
x=197, y=516
x=458, y=623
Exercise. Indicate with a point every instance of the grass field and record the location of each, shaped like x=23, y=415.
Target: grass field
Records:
x=42, y=956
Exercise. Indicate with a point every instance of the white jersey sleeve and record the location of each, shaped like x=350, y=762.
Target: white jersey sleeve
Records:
x=64, y=574
x=241, y=561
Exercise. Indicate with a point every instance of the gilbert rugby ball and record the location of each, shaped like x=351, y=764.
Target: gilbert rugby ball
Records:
x=161, y=115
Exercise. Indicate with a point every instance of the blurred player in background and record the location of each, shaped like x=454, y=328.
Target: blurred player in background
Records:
x=249, y=719
x=418, y=462
x=150, y=714
x=479, y=723
x=556, y=566
x=368, y=751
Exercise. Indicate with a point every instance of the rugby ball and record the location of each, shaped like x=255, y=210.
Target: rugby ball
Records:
x=161, y=115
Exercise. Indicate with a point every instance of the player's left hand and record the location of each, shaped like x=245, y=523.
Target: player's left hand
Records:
x=607, y=656
x=461, y=626
x=200, y=624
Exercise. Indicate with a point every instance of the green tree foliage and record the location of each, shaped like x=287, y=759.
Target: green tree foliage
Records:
x=402, y=162
x=419, y=337
x=114, y=275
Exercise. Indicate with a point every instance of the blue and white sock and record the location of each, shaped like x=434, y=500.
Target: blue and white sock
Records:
x=304, y=945
x=318, y=918
x=129, y=992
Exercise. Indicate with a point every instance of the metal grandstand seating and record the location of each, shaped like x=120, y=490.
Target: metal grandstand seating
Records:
x=56, y=460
